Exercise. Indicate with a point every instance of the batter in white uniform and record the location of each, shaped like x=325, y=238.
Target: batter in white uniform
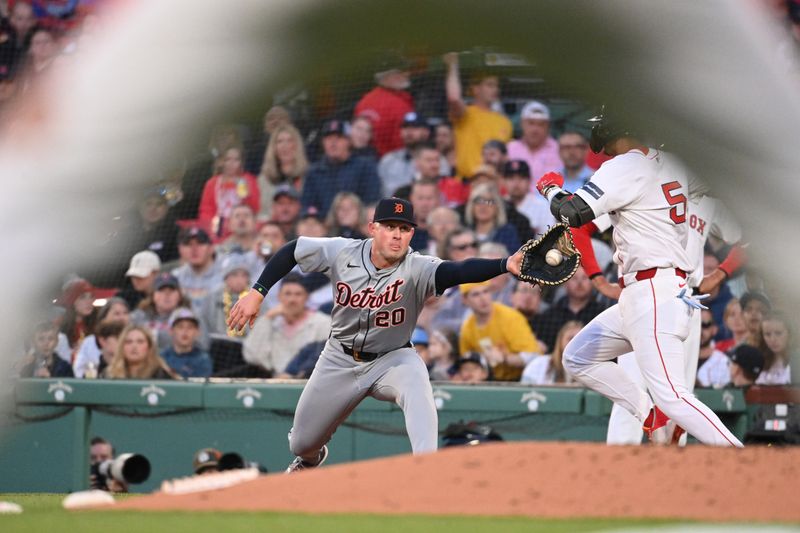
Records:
x=380, y=287
x=645, y=193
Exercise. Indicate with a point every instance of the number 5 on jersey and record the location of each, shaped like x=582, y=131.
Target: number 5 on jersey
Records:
x=676, y=199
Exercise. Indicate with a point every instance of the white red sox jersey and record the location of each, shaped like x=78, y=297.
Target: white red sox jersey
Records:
x=645, y=196
x=707, y=216
x=374, y=310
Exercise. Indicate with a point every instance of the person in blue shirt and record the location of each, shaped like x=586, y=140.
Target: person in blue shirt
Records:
x=339, y=170
x=183, y=356
x=573, y=149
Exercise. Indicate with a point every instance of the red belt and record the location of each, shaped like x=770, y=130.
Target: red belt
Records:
x=650, y=273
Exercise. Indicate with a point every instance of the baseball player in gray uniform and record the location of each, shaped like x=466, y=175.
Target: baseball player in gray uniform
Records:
x=380, y=286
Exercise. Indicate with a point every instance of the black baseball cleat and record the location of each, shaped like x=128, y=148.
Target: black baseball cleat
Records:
x=298, y=463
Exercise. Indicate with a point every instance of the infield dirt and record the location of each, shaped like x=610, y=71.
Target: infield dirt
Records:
x=529, y=479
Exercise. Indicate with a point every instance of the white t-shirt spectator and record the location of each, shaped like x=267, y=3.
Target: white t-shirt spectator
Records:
x=715, y=372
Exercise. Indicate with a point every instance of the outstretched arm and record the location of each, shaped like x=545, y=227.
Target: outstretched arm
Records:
x=565, y=206
x=246, y=309
x=452, y=273
x=452, y=84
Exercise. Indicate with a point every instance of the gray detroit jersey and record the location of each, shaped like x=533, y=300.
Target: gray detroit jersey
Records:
x=374, y=310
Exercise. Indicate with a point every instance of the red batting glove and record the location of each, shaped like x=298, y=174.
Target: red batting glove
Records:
x=549, y=180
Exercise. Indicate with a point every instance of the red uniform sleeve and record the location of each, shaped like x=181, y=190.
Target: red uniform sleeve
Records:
x=583, y=242
x=736, y=258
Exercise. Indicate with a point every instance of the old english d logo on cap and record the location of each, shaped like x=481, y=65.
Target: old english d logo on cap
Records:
x=398, y=207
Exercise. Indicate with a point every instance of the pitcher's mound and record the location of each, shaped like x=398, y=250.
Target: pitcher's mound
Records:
x=530, y=479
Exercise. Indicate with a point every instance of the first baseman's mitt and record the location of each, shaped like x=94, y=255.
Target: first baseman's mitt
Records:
x=535, y=268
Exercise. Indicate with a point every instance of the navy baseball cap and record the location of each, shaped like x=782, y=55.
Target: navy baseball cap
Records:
x=517, y=167
x=165, y=279
x=187, y=234
x=749, y=358
x=335, y=127
x=413, y=119
x=395, y=209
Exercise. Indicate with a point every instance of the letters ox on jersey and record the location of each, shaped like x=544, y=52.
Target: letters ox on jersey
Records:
x=374, y=310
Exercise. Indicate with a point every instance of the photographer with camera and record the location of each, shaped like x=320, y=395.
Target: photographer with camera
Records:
x=100, y=451
x=114, y=474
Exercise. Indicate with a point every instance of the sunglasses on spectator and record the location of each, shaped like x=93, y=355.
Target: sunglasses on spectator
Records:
x=485, y=201
x=462, y=247
x=707, y=324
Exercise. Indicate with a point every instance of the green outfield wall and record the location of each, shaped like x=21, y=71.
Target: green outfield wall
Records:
x=46, y=424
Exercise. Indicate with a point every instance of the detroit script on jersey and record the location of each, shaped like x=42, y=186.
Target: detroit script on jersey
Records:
x=374, y=310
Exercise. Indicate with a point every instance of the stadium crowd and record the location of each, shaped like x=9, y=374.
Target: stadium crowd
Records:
x=198, y=239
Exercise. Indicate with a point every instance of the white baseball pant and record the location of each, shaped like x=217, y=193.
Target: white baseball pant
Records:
x=651, y=321
x=623, y=427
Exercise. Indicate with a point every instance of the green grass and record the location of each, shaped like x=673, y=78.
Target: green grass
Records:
x=43, y=513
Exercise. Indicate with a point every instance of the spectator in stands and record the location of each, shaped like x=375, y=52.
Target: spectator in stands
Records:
x=478, y=122
x=275, y=117
x=486, y=175
x=183, y=355
x=242, y=228
x=87, y=359
x=285, y=164
x=719, y=297
x=747, y=362
x=460, y=244
x=419, y=338
x=286, y=209
x=442, y=354
x=397, y=168
x=527, y=299
x=283, y=330
x=428, y=167
x=204, y=165
x=578, y=304
x=154, y=312
x=498, y=332
x=217, y=306
x=224, y=191
x=42, y=52
x=472, y=367
x=339, y=170
x=755, y=305
x=734, y=321
x=501, y=287
x=81, y=315
x=573, y=149
x=536, y=147
x=387, y=104
x=445, y=143
x=441, y=221
x=425, y=197
x=713, y=365
x=107, y=334
x=137, y=357
x=495, y=155
x=369, y=214
x=268, y=240
x=199, y=272
x=346, y=216
x=310, y=224
x=548, y=369
x=361, y=138
x=517, y=182
x=41, y=361
x=485, y=213
x=142, y=272
x=302, y=365
x=152, y=227
x=779, y=347
x=15, y=37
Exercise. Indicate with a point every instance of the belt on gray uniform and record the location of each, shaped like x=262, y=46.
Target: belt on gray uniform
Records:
x=366, y=357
